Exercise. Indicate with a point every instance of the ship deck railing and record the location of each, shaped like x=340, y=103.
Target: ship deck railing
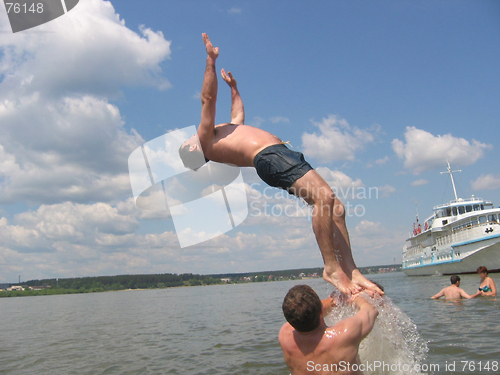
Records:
x=462, y=234
x=461, y=200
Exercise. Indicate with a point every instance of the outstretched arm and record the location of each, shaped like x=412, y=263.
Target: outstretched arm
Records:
x=208, y=97
x=439, y=295
x=466, y=295
x=366, y=315
x=237, y=109
x=357, y=327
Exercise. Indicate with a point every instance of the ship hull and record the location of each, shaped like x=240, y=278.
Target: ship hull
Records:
x=487, y=255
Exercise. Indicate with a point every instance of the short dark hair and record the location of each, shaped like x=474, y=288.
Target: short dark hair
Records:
x=191, y=159
x=455, y=279
x=482, y=269
x=379, y=285
x=302, y=308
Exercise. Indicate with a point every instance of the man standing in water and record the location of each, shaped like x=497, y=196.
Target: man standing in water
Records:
x=246, y=146
x=311, y=347
x=454, y=291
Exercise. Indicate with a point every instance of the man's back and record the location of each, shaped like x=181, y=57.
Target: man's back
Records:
x=326, y=350
x=238, y=144
x=452, y=292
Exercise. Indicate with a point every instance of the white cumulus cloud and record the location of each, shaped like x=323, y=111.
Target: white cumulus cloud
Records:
x=386, y=190
x=89, y=50
x=338, y=179
x=382, y=161
x=486, y=182
x=256, y=121
x=422, y=151
x=366, y=227
x=51, y=226
x=336, y=140
x=420, y=182
x=60, y=138
x=277, y=119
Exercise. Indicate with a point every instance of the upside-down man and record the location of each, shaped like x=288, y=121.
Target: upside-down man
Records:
x=246, y=146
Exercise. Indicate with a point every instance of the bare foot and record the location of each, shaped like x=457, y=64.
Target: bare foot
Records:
x=363, y=282
x=340, y=280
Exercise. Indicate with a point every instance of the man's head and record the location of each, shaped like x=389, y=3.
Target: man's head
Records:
x=379, y=285
x=302, y=308
x=191, y=154
x=455, y=280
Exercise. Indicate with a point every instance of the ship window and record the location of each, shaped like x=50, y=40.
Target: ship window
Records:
x=461, y=210
x=476, y=207
x=474, y=221
x=492, y=217
x=469, y=208
x=448, y=211
x=482, y=219
x=455, y=211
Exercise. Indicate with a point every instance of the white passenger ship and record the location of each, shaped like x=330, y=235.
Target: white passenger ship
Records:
x=459, y=237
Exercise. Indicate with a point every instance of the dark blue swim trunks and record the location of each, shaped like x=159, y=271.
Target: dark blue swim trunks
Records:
x=279, y=166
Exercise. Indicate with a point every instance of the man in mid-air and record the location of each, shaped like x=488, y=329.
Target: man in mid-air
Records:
x=246, y=146
x=311, y=347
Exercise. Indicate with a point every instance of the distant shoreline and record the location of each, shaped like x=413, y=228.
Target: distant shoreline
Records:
x=99, y=284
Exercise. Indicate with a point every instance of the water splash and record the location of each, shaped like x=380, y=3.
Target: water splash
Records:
x=394, y=339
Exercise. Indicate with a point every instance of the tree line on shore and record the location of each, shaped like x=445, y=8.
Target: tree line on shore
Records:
x=153, y=281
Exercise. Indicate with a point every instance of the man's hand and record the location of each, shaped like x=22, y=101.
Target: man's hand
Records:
x=328, y=304
x=228, y=78
x=358, y=300
x=212, y=52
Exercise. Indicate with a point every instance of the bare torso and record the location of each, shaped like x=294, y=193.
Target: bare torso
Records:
x=452, y=292
x=325, y=351
x=238, y=144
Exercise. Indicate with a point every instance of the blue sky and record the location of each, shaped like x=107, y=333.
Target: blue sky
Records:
x=376, y=94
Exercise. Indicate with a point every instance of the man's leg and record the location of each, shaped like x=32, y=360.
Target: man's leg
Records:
x=329, y=227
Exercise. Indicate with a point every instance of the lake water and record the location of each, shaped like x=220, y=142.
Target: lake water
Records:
x=222, y=329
